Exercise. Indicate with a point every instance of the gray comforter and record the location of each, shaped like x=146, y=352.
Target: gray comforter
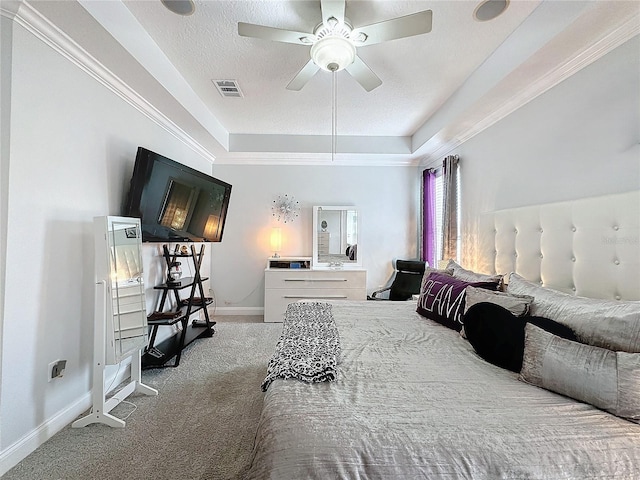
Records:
x=413, y=400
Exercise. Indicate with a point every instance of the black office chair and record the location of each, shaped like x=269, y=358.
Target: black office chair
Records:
x=406, y=281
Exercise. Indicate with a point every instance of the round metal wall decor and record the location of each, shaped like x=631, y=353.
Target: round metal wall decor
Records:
x=285, y=208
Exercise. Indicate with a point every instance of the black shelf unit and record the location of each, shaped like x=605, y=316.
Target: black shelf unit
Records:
x=160, y=355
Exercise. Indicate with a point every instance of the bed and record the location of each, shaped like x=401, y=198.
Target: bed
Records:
x=412, y=398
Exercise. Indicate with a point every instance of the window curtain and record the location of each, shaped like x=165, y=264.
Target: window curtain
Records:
x=429, y=216
x=450, y=207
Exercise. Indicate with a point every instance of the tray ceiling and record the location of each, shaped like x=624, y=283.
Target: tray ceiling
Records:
x=438, y=88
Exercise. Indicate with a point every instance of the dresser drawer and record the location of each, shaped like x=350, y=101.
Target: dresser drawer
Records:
x=330, y=279
x=276, y=301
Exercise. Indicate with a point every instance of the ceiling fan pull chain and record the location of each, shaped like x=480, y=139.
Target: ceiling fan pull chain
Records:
x=334, y=115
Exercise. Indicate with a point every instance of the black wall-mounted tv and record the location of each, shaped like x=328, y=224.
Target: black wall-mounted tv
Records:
x=175, y=202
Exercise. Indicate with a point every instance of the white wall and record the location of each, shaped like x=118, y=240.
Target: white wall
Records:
x=72, y=148
x=386, y=198
x=579, y=139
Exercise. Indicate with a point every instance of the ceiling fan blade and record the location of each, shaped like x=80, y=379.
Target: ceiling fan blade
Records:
x=363, y=74
x=303, y=76
x=332, y=8
x=401, y=27
x=275, y=34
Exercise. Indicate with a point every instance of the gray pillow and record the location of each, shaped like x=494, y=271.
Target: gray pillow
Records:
x=603, y=378
x=610, y=324
x=471, y=276
x=428, y=270
x=518, y=305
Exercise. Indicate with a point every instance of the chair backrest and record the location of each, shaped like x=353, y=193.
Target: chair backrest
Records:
x=407, y=280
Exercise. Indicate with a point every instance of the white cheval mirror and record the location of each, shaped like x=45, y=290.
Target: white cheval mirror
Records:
x=336, y=231
x=120, y=316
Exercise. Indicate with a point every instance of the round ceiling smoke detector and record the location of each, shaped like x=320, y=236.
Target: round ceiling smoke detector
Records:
x=490, y=9
x=180, y=7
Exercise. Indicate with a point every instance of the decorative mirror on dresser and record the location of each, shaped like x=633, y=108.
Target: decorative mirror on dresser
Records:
x=335, y=237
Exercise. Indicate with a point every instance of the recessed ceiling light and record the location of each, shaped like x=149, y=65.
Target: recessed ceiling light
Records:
x=181, y=7
x=490, y=9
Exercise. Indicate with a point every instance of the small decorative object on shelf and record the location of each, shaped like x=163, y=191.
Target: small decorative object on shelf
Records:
x=285, y=208
x=163, y=315
x=174, y=274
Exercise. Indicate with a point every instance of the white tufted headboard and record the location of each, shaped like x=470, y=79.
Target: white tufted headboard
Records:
x=588, y=247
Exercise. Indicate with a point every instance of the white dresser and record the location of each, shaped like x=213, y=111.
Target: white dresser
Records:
x=283, y=286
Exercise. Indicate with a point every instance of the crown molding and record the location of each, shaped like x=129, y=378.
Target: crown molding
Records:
x=35, y=23
x=9, y=8
x=317, y=159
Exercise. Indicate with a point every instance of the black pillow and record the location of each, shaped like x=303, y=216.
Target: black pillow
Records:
x=498, y=336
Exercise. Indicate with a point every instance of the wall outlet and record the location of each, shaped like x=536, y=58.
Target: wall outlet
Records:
x=56, y=369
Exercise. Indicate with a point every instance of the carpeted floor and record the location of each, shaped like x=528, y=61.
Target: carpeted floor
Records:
x=200, y=426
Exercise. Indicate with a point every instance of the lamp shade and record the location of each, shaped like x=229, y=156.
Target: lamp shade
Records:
x=276, y=240
x=333, y=53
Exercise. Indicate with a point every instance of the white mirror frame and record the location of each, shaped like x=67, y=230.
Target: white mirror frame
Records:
x=315, y=262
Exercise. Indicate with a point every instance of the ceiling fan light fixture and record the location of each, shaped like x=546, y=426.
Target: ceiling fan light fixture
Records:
x=332, y=22
x=333, y=53
x=360, y=37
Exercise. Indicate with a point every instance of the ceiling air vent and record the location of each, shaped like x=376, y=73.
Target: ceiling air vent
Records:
x=228, y=88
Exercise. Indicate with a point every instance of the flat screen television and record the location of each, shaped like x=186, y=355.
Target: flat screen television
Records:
x=175, y=202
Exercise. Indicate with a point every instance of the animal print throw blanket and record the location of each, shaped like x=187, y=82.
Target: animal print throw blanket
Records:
x=309, y=347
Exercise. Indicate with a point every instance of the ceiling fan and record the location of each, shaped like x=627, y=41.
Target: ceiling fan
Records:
x=334, y=41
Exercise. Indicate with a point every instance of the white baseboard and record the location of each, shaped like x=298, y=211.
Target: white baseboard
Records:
x=238, y=311
x=18, y=451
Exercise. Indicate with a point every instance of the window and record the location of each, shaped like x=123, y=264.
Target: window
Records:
x=438, y=211
x=439, y=200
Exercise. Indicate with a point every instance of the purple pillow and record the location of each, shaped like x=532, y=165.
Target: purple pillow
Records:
x=442, y=298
